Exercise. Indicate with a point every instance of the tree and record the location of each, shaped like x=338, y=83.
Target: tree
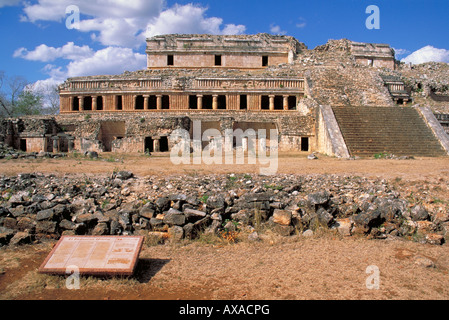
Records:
x=17, y=97
x=28, y=104
x=49, y=92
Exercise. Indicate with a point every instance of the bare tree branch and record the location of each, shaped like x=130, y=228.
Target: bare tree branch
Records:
x=4, y=107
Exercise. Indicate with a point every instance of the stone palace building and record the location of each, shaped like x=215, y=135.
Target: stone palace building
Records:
x=343, y=99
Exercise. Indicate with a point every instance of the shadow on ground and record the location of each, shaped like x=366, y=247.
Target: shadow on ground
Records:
x=148, y=268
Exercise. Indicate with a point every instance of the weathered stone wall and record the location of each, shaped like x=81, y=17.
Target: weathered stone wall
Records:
x=290, y=125
x=348, y=86
x=241, y=61
x=28, y=133
x=236, y=51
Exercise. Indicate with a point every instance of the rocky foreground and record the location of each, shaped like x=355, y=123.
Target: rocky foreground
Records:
x=37, y=206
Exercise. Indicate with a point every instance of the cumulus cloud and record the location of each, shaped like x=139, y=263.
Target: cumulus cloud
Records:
x=55, y=10
x=44, y=53
x=427, y=54
x=84, y=61
x=111, y=60
x=127, y=23
x=189, y=19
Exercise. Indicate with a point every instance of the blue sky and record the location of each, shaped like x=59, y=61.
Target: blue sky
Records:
x=37, y=45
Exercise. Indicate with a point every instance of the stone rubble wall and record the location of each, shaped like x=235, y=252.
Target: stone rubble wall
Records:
x=35, y=207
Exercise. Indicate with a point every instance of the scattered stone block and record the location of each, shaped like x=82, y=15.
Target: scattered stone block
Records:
x=282, y=217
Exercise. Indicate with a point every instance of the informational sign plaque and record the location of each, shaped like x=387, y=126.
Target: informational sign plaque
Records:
x=94, y=255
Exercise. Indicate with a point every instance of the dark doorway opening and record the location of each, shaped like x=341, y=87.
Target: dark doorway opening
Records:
x=264, y=61
x=88, y=103
x=243, y=102
x=119, y=103
x=23, y=145
x=139, y=103
x=292, y=103
x=76, y=104
x=149, y=144
x=63, y=144
x=207, y=102
x=193, y=102
x=152, y=102
x=217, y=60
x=278, y=103
x=100, y=103
x=165, y=102
x=163, y=144
x=304, y=143
x=221, y=102
x=170, y=60
x=265, y=103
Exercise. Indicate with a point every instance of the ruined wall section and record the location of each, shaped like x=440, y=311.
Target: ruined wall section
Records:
x=427, y=82
x=348, y=86
x=29, y=133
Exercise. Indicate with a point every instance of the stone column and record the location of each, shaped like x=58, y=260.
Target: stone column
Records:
x=159, y=102
x=145, y=102
x=285, y=102
x=9, y=140
x=245, y=143
x=81, y=103
x=70, y=104
x=71, y=143
x=156, y=145
x=271, y=102
x=200, y=101
x=215, y=102
x=55, y=144
x=94, y=103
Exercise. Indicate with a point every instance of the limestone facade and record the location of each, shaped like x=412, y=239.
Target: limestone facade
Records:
x=223, y=82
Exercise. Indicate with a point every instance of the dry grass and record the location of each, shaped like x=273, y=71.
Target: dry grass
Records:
x=324, y=266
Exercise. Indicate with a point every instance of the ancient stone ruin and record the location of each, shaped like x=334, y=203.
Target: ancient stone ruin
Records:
x=321, y=100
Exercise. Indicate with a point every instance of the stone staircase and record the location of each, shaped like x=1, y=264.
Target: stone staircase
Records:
x=394, y=130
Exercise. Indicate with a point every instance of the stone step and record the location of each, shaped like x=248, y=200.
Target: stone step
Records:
x=397, y=130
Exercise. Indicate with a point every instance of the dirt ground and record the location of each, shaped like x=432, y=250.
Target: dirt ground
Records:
x=322, y=267
x=288, y=163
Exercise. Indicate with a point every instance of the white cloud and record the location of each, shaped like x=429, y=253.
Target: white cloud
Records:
x=127, y=23
x=113, y=32
x=55, y=10
x=85, y=62
x=427, y=54
x=111, y=60
x=275, y=29
x=189, y=19
x=45, y=53
x=6, y=3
